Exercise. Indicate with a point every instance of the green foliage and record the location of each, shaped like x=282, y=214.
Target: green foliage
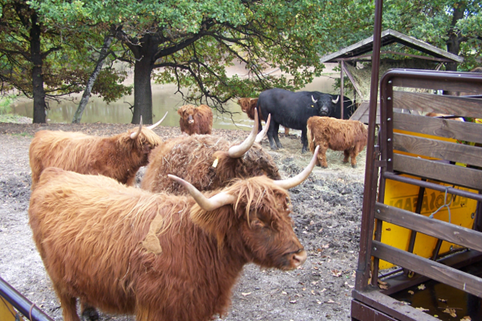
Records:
x=435, y=21
x=5, y=102
x=191, y=42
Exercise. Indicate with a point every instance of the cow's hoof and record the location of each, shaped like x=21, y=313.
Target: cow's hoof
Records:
x=274, y=148
x=353, y=165
x=90, y=314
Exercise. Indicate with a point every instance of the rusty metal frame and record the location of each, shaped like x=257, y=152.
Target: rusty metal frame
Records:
x=368, y=301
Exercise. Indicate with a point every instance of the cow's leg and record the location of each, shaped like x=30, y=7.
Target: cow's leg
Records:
x=69, y=307
x=346, y=152
x=304, y=141
x=353, y=155
x=276, y=134
x=272, y=144
x=89, y=313
x=322, y=155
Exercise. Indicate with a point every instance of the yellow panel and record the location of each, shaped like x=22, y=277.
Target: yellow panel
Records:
x=405, y=196
x=7, y=311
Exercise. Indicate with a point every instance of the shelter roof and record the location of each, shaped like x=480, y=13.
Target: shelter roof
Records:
x=388, y=37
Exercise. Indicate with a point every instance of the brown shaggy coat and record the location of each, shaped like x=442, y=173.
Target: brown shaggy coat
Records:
x=248, y=106
x=203, y=161
x=195, y=120
x=119, y=156
x=91, y=230
x=350, y=136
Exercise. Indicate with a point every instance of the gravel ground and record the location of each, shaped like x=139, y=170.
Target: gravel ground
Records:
x=326, y=212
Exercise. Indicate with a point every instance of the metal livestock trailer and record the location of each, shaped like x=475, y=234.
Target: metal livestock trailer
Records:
x=421, y=236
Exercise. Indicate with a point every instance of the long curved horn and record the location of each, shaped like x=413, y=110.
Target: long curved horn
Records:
x=313, y=99
x=238, y=151
x=207, y=204
x=336, y=100
x=298, y=179
x=136, y=133
x=157, y=124
x=262, y=133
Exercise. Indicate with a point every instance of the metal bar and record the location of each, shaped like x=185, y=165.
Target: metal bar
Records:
x=363, y=269
x=342, y=83
x=21, y=303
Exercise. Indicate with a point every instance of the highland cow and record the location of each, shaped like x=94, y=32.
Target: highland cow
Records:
x=158, y=256
x=118, y=157
x=195, y=120
x=208, y=162
x=248, y=106
x=350, y=136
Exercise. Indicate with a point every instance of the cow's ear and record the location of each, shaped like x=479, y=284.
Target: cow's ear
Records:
x=213, y=222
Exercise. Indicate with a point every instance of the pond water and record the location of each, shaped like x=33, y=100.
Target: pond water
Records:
x=164, y=99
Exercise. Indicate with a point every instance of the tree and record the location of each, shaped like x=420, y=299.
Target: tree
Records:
x=452, y=24
x=54, y=55
x=192, y=42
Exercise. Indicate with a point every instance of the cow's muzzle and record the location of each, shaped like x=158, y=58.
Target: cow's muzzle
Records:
x=296, y=259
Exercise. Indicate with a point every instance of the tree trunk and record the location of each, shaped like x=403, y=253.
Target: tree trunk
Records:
x=92, y=78
x=454, y=36
x=142, y=91
x=453, y=41
x=39, y=106
x=145, y=58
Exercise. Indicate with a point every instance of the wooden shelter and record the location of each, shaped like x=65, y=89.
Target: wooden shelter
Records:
x=360, y=53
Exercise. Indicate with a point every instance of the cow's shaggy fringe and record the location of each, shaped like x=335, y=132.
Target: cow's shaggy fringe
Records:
x=118, y=157
x=248, y=106
x=203, y=161
x=255, y=194
x=89, y=232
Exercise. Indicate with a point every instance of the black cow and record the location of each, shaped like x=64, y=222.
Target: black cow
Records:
x=348, y=107
x=292, y=110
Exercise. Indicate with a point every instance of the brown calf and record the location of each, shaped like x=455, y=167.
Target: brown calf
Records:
x=350, y=136
x=195, y=120
x=119, y=156
x=158, y=256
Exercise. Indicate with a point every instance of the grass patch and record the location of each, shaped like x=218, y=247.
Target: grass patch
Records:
x=24, y=134
x=5, y=102
x=11, y=118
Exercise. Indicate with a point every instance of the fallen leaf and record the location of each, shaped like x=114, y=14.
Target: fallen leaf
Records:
x=245, y=293
x=423, y=309
x=451, y=311
x=293, y=301
x=421, y=287
x=466, y=318
x=336, y=273
x=411, y=292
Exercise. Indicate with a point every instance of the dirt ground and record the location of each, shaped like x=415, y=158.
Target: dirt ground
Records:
x=326, y=212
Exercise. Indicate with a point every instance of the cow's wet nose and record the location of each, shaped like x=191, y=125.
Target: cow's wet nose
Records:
x=324, y=110
x=299, y=258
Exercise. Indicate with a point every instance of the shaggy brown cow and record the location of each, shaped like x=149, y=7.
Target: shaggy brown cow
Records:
x=248, y=106
x=195, y=120
x=208, y=162
x=350, y=136
x=119, y=156
x=158, y=256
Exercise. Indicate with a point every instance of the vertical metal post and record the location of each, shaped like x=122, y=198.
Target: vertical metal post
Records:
x=367, y=224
